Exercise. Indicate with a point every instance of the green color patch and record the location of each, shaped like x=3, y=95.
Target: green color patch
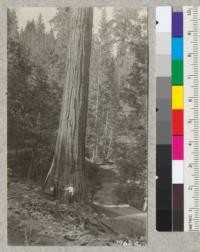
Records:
x=177, y=72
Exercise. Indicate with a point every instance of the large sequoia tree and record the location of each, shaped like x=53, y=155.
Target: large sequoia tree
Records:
x=66, y=177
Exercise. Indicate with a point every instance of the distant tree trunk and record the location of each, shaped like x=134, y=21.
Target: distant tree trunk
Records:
x=96, y=142
x=66, y=177
x=33, y=153
x=106, y=124
x=95, y=148
x=109, y=146
x=106, y=134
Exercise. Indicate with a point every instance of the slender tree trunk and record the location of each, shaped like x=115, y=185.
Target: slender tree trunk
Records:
x=105, y=138
x=34, y=151
x=95, y=148
x=96, y=124
x=106, y=125
x=66, y=177
x=110, y=144
x=30, y=169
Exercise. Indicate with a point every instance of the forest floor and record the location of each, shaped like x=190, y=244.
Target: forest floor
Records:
x=35, y=218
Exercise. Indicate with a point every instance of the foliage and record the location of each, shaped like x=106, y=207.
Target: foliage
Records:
x=31, y=97
x=118, y=99
x=130, y=35
x=117, y=105
x=101, y=94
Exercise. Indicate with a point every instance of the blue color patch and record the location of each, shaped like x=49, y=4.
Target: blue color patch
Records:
x=177, y=48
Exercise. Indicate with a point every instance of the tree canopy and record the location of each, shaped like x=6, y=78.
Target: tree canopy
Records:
x=117, y=103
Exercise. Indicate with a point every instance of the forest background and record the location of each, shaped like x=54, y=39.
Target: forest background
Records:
x=117, y=106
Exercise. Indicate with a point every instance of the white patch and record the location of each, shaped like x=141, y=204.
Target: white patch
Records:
x=70, y=190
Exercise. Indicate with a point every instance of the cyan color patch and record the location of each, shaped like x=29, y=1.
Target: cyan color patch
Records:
x=177, y=48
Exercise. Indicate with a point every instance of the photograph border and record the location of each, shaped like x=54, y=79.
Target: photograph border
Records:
x=156, y=241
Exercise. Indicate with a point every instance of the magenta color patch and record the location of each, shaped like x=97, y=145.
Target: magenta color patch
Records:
x=177, y=147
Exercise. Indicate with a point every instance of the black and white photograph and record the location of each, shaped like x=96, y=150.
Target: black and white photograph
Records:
x=77, y=116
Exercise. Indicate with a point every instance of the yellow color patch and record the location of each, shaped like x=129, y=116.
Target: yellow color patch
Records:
x=177, y=97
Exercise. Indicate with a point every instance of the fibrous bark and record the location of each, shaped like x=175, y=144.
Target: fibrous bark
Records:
x=66, y=177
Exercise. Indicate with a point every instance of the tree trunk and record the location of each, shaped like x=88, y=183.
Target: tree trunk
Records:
x=96, y=142
x=106, y=134
x=66, y=177
x=95, y=149
x=109, y=146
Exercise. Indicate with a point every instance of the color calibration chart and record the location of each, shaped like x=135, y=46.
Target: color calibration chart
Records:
x=178, y=118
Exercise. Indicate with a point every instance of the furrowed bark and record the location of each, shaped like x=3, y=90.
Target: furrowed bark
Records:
x=68, y=166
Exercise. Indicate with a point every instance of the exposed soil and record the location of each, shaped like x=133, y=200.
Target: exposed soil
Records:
x=35, y=218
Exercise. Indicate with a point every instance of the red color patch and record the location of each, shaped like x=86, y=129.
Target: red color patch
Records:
x=177, y=122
